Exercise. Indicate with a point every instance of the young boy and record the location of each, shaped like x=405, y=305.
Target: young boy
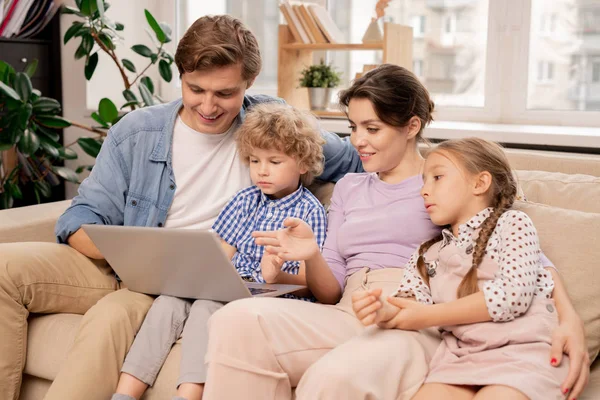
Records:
x=282, y=148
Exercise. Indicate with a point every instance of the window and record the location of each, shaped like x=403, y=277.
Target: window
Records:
x=596, y=72
x=418, y=67
x=545, y=71
x=520, y=61
x=418, y=25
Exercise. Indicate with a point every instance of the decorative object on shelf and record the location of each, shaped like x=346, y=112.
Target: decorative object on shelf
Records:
x=319, y=79
x=26, y=18
x=373, y=33
x=29, y=148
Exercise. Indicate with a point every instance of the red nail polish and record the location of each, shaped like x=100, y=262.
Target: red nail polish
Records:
x=565, y=391
x=553, y=361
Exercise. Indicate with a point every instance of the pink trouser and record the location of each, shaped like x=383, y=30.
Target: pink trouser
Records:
x=261, y=348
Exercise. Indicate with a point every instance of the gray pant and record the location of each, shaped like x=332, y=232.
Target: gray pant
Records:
x=169, y=319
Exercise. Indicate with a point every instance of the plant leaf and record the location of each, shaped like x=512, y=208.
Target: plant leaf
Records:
x=80, y=52
x=130, y=103
x=154, y=58
x=87, y=41
x=52, y=121
x=129, y=95
x=71, y=10
x=160, y=34
x=67, y=153
x=142, y=50
x=148, y=82
x=146, y=95
x=8, y=91
x=47, y=133
x=107, y=110
x=44, y=188
x=31, y=68
x=6, y=72
x=73, y=31
x=167, y=30
x=16, y=191
x=29, y=142
x=5, y=146
x=6, y=201
x=88, y=7
x=50, y=147
x=100, y=7
x=119, y=26
x=46, y=105
x=129, y=65
x=23, y=86
x=67, y=173
x=90, y=66
x=96, y=117
x=24, y=115
x=165, y=70
x=90, y=146
x=107, y=41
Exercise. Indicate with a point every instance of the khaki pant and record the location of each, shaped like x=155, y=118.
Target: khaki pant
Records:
x=52, y=278
x=169, y=319
x=260, y=348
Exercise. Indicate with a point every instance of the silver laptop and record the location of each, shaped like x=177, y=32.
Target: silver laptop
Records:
x=177, y=262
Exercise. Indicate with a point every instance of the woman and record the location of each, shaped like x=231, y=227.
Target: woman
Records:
x=376, y=221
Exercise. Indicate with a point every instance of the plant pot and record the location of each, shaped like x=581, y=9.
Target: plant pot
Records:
x=318, y=98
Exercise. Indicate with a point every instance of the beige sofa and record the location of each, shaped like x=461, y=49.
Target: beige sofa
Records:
x=560, y=229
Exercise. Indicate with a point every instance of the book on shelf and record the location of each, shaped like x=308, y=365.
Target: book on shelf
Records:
x=310, y=23
x=326, y=24
x=296, y=28
x=26, y=18
x=296, y=9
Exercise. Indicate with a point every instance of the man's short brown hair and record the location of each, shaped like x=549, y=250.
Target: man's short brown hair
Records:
x=218, y=41
x=276, y=126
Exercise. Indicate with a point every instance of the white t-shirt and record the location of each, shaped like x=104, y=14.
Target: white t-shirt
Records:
x=208, y=172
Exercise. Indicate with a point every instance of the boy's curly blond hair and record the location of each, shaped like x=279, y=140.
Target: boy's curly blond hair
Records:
x=284, y=128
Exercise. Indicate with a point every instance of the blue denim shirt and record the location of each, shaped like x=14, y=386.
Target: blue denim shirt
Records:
x=132, y=182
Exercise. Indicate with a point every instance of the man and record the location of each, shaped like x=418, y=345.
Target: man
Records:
x=172, y=165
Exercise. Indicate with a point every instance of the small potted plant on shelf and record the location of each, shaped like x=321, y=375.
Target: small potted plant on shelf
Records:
x=319, y=79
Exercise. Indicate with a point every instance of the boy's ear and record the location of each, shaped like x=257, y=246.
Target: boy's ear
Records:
x=414, y=126
x=249, y=83
x=482, y=183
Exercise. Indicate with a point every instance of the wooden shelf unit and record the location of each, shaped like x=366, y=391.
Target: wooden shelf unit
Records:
x=293, y=57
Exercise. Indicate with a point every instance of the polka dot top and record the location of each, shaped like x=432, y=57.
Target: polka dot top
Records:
x=513, y=246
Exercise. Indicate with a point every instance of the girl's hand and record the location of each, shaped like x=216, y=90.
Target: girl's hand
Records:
x=369, y=309
x=569, y=339
x=295, y=242
x=411, y=315
x=270, y=266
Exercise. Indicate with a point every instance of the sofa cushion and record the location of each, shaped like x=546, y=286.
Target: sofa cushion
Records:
x=575, y=192
x=570, y=240
x=49, y=339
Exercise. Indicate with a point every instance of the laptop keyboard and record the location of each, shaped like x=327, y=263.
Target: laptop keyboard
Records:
x=255, y=291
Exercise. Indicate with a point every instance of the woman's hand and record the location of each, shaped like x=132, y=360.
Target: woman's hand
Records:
x=295, y=242
x=270, y=266
x=569, y=338
x=410, y=315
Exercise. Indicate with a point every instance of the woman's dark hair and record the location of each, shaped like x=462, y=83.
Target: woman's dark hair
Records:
x=396, y=93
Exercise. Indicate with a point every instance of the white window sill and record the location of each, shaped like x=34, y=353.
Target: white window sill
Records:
x=560, y=136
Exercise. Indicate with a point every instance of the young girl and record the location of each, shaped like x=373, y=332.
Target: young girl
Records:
x=283, y=150
x=490, y=293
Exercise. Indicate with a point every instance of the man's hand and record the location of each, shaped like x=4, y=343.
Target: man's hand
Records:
x=270, y=266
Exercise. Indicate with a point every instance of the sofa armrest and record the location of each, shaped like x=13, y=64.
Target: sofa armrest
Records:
x=31, y=224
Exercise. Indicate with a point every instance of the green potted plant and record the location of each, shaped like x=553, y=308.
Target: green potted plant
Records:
x=31, y=156
x=319, y=79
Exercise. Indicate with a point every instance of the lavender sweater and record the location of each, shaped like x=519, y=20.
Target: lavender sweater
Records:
x=375, y=224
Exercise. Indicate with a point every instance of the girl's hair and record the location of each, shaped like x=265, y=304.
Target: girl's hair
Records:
x=396, y=93
x=476, y=156
x=284, y=128
x=217, y=41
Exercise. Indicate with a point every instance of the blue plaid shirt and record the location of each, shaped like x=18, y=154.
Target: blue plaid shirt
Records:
x=250, y=210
